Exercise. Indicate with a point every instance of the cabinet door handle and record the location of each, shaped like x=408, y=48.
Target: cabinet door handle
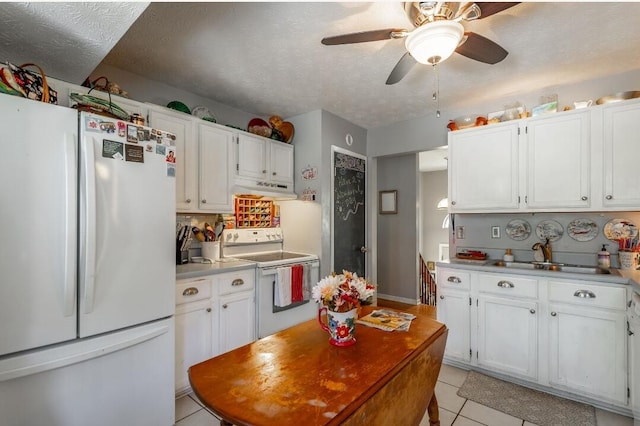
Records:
x=505, y=284
x=237, y=281
x=204, y=201
x=274, y=173
x=454, y=280
x=191, y=291
x=586, y=294
x=188, y=200
x=225, y=306
x=208, y=309
x=533, y=311
x=441, y=297
x=264, y=171
x=553, y=314
x=609, y=197
x=453, y=203
x=584, y=198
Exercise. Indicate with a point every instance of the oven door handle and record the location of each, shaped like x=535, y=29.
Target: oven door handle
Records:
x=272, y=270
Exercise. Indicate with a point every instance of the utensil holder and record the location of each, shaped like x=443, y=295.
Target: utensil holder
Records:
x=211, y=250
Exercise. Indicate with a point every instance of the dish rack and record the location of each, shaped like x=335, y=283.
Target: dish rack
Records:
x=253, y=213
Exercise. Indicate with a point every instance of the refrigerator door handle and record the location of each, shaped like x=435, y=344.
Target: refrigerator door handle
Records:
x=90, y=225
x=69, y=286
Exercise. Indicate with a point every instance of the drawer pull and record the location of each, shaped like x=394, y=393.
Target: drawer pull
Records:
x=441, y=297
x=225, y=306
x=208, y=309
x=237, y=282
x=505, y=284
x=533, y=311
x=454, y=280
x=191, y=291
x=553, y=314
x=586, y=294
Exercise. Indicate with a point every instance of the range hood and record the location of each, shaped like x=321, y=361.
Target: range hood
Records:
x=268, y=193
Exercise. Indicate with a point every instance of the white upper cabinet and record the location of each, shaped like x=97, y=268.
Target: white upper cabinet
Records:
x=281, y=162
x=215, y=164
x=558, y=161
x=252, y=157
x=264, y=163
x=621, y=154
x=186, y=154
x=483, y=169
x=204, y=161
x=583, y=160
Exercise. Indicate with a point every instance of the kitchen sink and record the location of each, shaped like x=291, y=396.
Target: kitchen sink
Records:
x=559, y=267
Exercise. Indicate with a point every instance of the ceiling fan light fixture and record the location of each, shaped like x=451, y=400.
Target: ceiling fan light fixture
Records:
x=434, y=42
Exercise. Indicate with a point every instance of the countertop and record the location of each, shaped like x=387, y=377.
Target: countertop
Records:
x=617, y=276
x=194, y=270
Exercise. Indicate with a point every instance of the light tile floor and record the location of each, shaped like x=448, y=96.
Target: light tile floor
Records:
x=454, y=410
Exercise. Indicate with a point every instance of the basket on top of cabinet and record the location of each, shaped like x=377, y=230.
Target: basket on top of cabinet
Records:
x=253, y=213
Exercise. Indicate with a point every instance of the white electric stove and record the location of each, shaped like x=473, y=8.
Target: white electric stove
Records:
x=264, y=246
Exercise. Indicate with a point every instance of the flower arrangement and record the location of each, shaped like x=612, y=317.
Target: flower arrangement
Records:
x=342, y=293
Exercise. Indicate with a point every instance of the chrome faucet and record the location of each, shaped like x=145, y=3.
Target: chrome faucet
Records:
x=546, y=250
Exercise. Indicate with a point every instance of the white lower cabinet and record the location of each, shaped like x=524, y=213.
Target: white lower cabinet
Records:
x=194, y=323
x=237, y=308
x=508, y=336
x=214, y=314
x=569, y=336
x=454, y=310
x=587, y=340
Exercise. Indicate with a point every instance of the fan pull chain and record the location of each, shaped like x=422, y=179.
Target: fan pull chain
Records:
x=436, y=89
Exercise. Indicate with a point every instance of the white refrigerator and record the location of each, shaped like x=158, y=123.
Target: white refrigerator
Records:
x=87, y=269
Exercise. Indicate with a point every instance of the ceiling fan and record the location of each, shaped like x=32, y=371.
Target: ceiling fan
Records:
x=437, y=34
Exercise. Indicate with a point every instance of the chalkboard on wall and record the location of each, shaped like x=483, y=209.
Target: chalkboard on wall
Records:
x=348, y=201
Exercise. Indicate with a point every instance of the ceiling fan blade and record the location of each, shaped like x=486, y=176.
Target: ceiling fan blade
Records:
x=362, y=37
x=402, y=68
x=491, y=8
x=481, y=49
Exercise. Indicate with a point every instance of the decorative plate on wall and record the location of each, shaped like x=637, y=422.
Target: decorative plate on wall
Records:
x=582, y=229
x=617, y=229
x=518, y=229
x=549, y=229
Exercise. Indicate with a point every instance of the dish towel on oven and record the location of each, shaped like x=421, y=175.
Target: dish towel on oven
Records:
x=282, y=290
x=297, y=280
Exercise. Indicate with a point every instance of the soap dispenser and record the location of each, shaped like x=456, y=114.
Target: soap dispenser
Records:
x=508, y=256
x=604, y=257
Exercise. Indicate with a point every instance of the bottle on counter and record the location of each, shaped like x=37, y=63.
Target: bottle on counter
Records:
x=604, y=257
x=508, y=256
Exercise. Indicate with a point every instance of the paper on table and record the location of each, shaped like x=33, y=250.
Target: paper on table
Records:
x=387, y=320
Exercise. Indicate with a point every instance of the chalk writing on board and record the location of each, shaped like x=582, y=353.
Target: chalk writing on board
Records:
x=348, y=185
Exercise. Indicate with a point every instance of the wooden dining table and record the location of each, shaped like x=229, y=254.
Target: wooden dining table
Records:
x=295, y=377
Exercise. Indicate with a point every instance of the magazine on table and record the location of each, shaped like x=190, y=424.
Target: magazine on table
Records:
x=387, y=320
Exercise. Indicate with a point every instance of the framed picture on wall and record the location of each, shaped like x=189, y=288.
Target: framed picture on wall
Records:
x=388, y=202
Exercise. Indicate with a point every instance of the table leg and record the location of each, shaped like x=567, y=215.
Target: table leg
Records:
x=432, y=409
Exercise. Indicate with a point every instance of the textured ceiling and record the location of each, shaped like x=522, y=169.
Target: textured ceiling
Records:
x=68, y=40
x=266, y=58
